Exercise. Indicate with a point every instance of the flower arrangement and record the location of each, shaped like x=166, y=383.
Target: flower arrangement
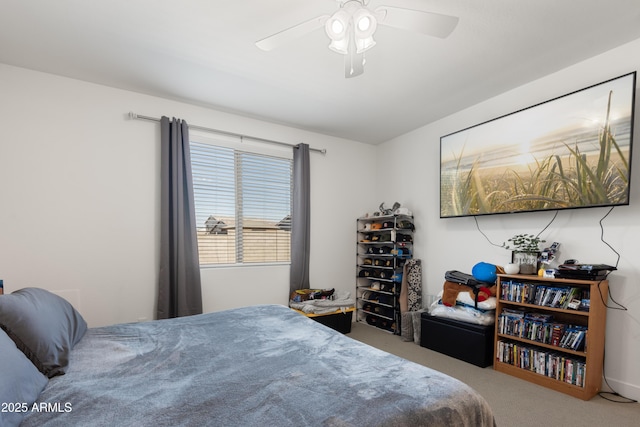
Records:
x=524, y=243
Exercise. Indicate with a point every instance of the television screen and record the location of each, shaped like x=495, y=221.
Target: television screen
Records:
x=573, y=151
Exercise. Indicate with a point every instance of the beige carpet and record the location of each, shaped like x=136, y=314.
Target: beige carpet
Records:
x=515, y=402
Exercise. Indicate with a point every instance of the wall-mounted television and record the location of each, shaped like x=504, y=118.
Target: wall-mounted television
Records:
x=573, y=151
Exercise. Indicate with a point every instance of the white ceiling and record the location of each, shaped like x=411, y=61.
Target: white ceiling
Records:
x=203, y=52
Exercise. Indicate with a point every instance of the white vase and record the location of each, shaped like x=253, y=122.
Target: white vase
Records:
x=512, y=268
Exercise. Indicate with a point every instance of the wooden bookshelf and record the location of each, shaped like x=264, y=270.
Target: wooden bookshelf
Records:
x=513, y=353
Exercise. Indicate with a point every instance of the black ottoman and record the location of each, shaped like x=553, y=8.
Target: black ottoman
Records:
x=465, y=341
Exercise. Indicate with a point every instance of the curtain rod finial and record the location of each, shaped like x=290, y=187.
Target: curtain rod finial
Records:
x=132, y=115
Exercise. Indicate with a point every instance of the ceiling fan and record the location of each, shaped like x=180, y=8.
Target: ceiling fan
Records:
x=351, y=29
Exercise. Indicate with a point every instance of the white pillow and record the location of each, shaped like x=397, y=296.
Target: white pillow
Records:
x=488, y=304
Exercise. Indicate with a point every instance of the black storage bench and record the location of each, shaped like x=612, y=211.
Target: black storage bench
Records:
x=465, y=341
x=338, y=320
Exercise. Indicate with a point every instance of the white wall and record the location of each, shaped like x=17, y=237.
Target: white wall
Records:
x=456, y=244
x=79, y=197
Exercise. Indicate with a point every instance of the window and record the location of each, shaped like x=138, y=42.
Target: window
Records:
x=243, y=205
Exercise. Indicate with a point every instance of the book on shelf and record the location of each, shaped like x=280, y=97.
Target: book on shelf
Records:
x=537, y=327
x=557, y=333
x=574, y=337
x=538, y=317
x=516, y=291
x=516, y=312
x=553, y=296
x=542, y=328
x=569, y=369
x=543, y=295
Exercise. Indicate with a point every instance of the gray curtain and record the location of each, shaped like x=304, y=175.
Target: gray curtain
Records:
x=299, y=273
x=179, y=291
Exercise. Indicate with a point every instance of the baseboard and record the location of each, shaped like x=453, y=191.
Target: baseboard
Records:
x=630, y=391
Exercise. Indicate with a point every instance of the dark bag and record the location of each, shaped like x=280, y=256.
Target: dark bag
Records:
x=476, y=286
x=462, y=278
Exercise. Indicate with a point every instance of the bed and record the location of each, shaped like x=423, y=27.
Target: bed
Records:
x=252, y=366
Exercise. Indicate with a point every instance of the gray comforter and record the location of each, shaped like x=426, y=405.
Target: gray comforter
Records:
x=254, y=366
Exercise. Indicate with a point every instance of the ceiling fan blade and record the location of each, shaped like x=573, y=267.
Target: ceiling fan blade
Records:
x=353, y=64
x=429, y=23
x=292, y=33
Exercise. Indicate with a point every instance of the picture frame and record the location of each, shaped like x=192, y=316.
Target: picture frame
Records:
x=573, y=151
x=526, y=258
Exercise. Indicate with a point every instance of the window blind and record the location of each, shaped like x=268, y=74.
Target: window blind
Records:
x=243, y=205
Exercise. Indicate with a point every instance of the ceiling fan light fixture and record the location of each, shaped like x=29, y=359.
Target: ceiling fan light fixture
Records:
x=337, y=29
x=352, y=22
x=337, y=25
x=365, y=25
x=363, y=45
x=340, y=46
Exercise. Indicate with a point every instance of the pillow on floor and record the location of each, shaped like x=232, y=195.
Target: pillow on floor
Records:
x=21, y=383
x=43, y=325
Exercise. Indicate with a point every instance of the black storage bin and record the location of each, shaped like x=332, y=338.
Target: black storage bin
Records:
x=338, y=320
x=465, y=341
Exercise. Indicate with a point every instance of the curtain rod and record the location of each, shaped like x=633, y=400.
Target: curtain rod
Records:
x=134, y=116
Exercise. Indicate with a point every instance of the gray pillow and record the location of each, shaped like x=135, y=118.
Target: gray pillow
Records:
x=43, y=325
x=21, y=383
